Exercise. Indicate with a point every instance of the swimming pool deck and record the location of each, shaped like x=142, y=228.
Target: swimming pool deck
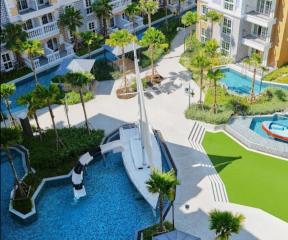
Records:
x=239, y=127
x=165, y=112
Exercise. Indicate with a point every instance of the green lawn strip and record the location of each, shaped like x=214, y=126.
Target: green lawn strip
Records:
x=279, y=75
x=250, y=178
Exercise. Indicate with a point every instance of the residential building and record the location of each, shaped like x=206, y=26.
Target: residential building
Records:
x=247, y=26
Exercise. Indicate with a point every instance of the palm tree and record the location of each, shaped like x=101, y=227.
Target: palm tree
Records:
x=153, y=39
x=14, y=36
x=33, y=105
x=10, y=137
x=188, y=20
x=6, y=90
x=225, y=223
x=78, y=81
x=164, y=184
x=214, y=17
x=90, y=38
x=103, y=9
x=47, y=97
x=254, y=60
x=72, y=19
x=121, y=38
x=33, y=48
x=149, y=7
x=215, y=76
x=201, y=62
x=132, y=10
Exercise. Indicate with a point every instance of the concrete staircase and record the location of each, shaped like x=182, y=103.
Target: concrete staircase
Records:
x=195, y=138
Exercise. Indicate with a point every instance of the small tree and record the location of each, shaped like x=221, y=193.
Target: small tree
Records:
x=78, y=81
x=189, y=19
x=215, y=76
x=254, y=60
x=132, y=10
x=47, y=97
x=214, y=17
x=72, y=19
x=225, y=223
x=13, y=36
x=153, y=39
x=103, y=9
x=149, y=7
x=33, y=105
x=33, y=48
x=164, y=184
x=10, y=137
x=90, y=38
x=6, y=90
x=121, y=38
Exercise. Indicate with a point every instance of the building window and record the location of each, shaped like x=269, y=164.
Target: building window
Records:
x=260, y=32
x=22, y=4
x=88, y=4
x=92, y=26
x=204, y=34
x=264, y=6
x=28, y=25
x=225, y=47
x=204, y=9
x=7, y=61
x=227, y=26
x=229, y=4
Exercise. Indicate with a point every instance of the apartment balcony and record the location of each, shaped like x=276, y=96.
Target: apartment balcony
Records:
x=260, y=19
x=43, y=31
x=51, y=57
x=119, y=5
x=35, y=9
x=184, y=6
x=257, y=42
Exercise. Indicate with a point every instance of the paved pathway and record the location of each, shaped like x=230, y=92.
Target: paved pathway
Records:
x=195, y=196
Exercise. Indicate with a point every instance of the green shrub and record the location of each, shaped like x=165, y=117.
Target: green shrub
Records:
x=74, y=97
x=13, y=74
x=149, y=232
x=103, y=70
x=196, y=112
x=133, y=84
x=237, y=106
x=280, y=94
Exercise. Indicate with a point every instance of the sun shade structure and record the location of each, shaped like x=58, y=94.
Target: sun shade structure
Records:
x=117, y=51
x=176, y=235
x=75, y=65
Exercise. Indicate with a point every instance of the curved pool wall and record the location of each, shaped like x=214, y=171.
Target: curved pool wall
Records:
x=256, y=124
x=238, y=83
x=113, y=207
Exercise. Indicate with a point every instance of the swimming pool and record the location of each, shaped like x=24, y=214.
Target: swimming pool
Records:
x=256, y=124
x=237, y=83
x=113, y=207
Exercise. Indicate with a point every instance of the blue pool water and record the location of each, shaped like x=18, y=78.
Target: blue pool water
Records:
x=112, y=209
x=256, y=124
x=240, y=84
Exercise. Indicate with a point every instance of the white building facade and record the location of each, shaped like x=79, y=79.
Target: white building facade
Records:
x=246, y=26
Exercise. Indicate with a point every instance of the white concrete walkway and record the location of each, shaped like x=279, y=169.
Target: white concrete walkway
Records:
x=166, y=113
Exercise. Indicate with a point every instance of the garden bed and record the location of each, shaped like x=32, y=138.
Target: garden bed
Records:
x=279, y=75
x=13, y=74
x=153, y=230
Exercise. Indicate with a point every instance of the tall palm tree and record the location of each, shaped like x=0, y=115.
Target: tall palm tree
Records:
x=149, y=7
x=214, y=16
x=33, y=48
x=10, y=137
x=72, y=19
x=215, y=76
x=132, y=10
x=254, y=60
x=188, y=20
x=90, y=38
x=77, y=81
x=121, y=38
x=164, y=184
x=103, y=9
x=201, y=62
x=225, y=223
x=33, y=105
x=14, y=36
x=153, y=39
x=47, y=97
x=6, y=90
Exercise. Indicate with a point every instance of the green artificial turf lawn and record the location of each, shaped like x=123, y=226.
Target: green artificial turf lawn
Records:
x=250, y=178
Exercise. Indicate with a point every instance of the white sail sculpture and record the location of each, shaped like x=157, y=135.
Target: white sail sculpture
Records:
x=139, y=147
